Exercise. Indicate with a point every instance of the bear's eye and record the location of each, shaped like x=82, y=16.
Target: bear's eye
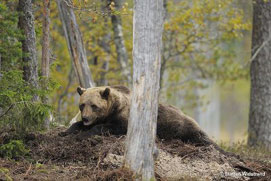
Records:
x=94, y=107
x=81, y=107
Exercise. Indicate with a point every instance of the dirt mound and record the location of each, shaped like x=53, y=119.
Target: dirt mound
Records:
x=53, y=157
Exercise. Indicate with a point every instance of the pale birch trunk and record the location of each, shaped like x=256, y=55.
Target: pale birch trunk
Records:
x=122, y=56
x=147, y=44
x=260, y=71
x=75, y=43
x=26, y=24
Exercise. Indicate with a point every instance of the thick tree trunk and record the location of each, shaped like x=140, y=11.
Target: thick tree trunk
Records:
x=260, y=72
x=122, y=56
x=45, y=57
x=147, y=43
x=75, y=43
x=26, y=24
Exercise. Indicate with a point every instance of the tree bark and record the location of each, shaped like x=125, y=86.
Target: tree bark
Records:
x=260, y=71
x=75, y=43
x=164, y=57
x=122, y=56
x=147, y=44
x=26, y=24
x=104, y=43
x=0, y=80
x=45, y=57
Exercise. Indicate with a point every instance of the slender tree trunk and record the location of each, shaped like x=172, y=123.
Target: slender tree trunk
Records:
x=75, y=43
x=45, y=58
x=26, y=24
x=0, y=66
x=164, y=57
x=0, y=80
x=122, y=56
x=260, y=72
x=106, y=46
x=163, y=68
x=147, y=44
x=66, y=91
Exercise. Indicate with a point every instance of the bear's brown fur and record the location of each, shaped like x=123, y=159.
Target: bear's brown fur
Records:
x=106, y=109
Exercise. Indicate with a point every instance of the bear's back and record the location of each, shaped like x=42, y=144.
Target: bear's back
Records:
x=121, y=89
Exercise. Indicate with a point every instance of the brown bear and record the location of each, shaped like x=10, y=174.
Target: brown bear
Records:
x=106, y=109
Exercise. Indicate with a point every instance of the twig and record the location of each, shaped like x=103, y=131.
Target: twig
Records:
x=10, y=107
x=28, y=170
x=259, y=49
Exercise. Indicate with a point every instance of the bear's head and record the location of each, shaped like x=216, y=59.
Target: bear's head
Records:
x=94, y=104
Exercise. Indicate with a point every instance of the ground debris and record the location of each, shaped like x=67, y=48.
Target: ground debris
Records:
x=53, y=157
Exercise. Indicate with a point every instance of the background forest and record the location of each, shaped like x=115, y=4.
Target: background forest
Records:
x=215, y=67
x=205, y=61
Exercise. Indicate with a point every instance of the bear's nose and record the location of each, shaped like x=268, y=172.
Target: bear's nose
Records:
x=84, y=119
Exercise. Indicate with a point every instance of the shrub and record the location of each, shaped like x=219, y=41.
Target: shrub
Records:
x=14, y=149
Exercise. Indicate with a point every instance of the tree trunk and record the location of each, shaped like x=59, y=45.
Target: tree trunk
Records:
x=122, y=56
x=147, y=43
x=0, y=80
x=45, y=57
x=75, y=43
x=26, y=24
x=164, y=58
x=260, y=71
x=105, y=44
x=66, y=90
x=0, y=66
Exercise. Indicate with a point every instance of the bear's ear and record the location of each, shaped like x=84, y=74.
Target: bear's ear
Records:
x=80, y=90
x=105, y=93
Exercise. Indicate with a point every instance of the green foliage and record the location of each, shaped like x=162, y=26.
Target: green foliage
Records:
x=10, y=47
x=5, y=172
x=200, y=40
x=17, y=108
x=13, y=149
x=19, y=111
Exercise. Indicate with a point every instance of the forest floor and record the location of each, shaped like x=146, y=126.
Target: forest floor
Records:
x=52, y=157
